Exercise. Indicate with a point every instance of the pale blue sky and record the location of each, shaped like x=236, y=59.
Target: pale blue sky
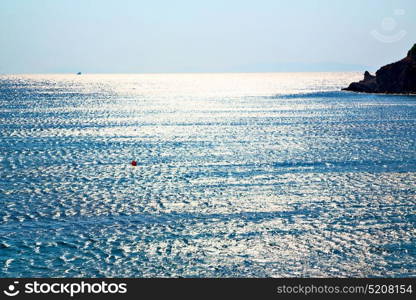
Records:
x=53, y=36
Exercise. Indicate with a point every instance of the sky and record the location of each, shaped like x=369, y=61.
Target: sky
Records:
x=133, y=36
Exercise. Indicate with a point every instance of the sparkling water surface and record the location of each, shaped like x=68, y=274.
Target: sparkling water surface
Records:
x=239, y=175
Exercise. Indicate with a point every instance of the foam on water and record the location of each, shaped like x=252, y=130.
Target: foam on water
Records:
x=238, y=175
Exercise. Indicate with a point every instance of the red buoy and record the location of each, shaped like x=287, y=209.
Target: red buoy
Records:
x=134, y=163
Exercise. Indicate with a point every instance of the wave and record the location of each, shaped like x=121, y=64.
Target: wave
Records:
x=336, y=94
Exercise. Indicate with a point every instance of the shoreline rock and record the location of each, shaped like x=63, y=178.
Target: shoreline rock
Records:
x=394, y=78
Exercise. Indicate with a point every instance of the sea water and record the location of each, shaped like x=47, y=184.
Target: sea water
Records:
x=238, y=175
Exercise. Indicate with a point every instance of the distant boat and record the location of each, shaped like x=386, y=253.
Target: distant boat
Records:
x=79, y=73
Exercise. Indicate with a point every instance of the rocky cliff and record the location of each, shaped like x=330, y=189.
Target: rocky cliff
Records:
x=398, y=78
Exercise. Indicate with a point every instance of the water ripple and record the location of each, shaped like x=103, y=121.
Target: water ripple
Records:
x=239, y=175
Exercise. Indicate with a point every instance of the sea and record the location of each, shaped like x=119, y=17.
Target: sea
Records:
x=238, y=175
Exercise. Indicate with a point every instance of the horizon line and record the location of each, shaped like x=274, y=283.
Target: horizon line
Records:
x=189, y=72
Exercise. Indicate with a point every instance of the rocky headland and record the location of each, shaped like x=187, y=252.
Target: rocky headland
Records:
x=395, y=78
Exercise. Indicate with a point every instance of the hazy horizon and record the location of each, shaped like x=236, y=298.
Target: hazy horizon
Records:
x=186, y=37
x=284, y=68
